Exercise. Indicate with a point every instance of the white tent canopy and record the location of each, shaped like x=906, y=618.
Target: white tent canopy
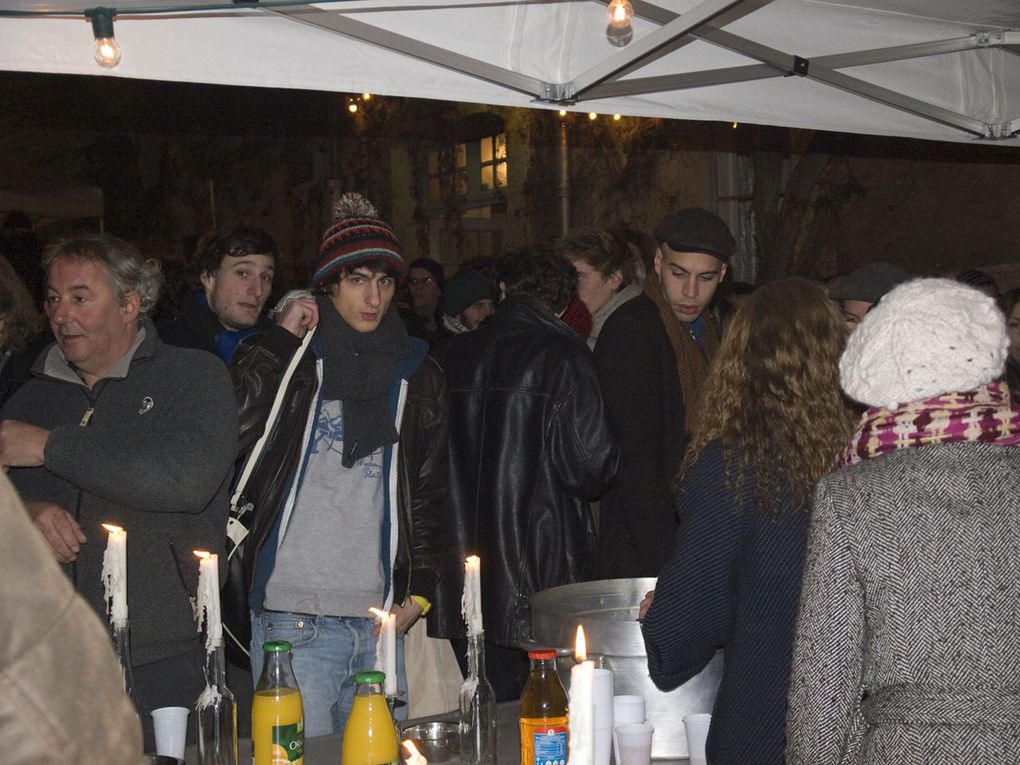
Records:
x=932, y=69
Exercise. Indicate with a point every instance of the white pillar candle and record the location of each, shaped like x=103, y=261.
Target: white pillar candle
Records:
x=386, y=649
x=208, y=602
x=471, y=599
x=414, y=757
x=115, y=576
x=582, y=735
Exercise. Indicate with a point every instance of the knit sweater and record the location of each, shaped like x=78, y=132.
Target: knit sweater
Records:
x=733, y=582
x=155, y=456
x=908, y=642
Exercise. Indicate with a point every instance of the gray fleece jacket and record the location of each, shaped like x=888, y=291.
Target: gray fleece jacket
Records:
x=155, y=457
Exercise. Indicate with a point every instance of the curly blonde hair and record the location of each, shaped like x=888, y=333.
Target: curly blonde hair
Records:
x=772, y=393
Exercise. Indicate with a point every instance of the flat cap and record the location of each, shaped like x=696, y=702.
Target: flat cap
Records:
x=696, y=230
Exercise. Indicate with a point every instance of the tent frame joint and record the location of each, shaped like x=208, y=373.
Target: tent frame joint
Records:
x=800, y=67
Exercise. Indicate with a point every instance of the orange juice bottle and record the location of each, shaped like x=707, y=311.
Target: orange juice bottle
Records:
x=543, y=716
x=369, y=736
x=277, y=717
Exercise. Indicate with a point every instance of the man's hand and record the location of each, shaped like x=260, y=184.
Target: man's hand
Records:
x=646, y=603
x=58, y=527
x=298, y=316
x=21, y=444
x=406, y=614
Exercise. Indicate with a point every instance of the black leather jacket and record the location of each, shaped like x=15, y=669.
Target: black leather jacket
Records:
x=258, y=366
x=530, y=447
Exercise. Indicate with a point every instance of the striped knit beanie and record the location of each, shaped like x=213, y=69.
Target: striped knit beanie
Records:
x=357, y=235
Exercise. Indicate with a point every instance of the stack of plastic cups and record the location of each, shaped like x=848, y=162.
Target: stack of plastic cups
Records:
x=696, y=726
x=626, y=709
x=602, y=715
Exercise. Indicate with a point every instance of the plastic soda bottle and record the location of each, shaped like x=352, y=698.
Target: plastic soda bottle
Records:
x=543, y=714
x=277, y=716
x=370, y=737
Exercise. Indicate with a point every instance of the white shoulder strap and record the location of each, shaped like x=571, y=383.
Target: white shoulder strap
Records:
x=274, y=412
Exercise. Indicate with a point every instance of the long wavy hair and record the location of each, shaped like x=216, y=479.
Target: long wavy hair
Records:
x=773, y=396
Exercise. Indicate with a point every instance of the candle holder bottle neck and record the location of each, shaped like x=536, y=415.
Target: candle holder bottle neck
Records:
x=217, y=713
x=122, y=649
x=477, y=708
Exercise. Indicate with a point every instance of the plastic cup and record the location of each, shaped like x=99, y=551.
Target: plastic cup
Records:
x=697, y=732
x=626, y=709
x=170, y=725
x=635, y=740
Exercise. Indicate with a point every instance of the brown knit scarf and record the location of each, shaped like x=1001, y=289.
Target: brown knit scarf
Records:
x=691, y=361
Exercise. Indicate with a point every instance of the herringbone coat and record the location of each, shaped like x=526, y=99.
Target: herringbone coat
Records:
x=908, y=639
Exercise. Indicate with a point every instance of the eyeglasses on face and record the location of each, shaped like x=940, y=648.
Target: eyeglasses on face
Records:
x=420, y=282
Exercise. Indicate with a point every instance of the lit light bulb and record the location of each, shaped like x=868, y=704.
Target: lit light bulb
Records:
x=366, y=96
x=734, y=125
x=352, y=107
x=563, y=112
x=620, y=13
x=592, y=116
x=105, y=50
x=617, y=117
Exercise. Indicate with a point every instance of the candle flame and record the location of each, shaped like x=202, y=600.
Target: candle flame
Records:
x=379, y=612
x=412, y=750
x=580, y=645
x=113, y=529
x=473, y=561
x=201, y=554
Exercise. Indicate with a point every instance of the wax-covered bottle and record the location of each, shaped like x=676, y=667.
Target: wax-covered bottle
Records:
x=543, y=716
x=277, y=716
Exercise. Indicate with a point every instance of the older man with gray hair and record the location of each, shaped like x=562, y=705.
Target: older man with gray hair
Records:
x=117, y=427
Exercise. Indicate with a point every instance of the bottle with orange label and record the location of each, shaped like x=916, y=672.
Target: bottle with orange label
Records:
x=543, y=716
x=277, y=715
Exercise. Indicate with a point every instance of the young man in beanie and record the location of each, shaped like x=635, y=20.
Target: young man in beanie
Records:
x=468, y=301
x=652, y=357
x=344, y=519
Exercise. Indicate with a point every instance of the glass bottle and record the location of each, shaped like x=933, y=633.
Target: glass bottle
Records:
x=277, y=716
x=122, y=647
x=477, y=708
x=543, y=716
x=369, y=736
x=217, y=714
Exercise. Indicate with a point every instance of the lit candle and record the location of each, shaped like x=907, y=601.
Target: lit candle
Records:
x=471, y=599
x=414, y=757
x=115, y=576
x=386, y=649
x=208, y=603
x=582, y=738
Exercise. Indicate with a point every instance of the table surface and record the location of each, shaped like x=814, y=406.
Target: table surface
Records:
x=325, y=750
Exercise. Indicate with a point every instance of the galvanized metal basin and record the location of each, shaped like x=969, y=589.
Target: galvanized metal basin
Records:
x=608, y=611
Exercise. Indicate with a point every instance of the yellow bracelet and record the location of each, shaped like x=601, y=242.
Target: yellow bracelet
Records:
x=425, y=605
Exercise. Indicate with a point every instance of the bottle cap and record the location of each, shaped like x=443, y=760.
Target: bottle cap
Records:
x=542, y=653
x=276, y=646
x=372, y=676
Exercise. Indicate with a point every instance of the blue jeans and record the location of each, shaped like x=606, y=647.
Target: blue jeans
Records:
x=328, y=651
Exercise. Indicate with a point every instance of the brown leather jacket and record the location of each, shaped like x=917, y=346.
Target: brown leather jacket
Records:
x=422, y=479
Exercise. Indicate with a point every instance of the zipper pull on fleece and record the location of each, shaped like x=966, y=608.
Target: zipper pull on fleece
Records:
x=86, y=417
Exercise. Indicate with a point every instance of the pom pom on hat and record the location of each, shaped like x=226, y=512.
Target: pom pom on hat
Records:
x=925, y=338
x=356, y=236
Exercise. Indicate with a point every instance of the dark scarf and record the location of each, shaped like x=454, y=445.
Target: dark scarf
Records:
x=692, y=355
x=985, y=414
x=358, y=369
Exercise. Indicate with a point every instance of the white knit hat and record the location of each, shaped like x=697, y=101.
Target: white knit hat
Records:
x=925, y=338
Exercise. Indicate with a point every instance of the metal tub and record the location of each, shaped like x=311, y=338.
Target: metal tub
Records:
x=608, y=611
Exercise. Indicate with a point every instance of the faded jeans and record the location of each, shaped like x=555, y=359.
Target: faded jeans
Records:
x=328, y=651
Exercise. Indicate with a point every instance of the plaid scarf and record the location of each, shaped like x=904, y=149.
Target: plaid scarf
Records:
x=985, y=414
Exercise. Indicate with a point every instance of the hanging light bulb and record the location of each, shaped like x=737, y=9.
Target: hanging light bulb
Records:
x=366, y=96
x=620, y=13
x=563, y=112
x=617, y=117
x=592, y=116
x=106, y=51
x=352, y=107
